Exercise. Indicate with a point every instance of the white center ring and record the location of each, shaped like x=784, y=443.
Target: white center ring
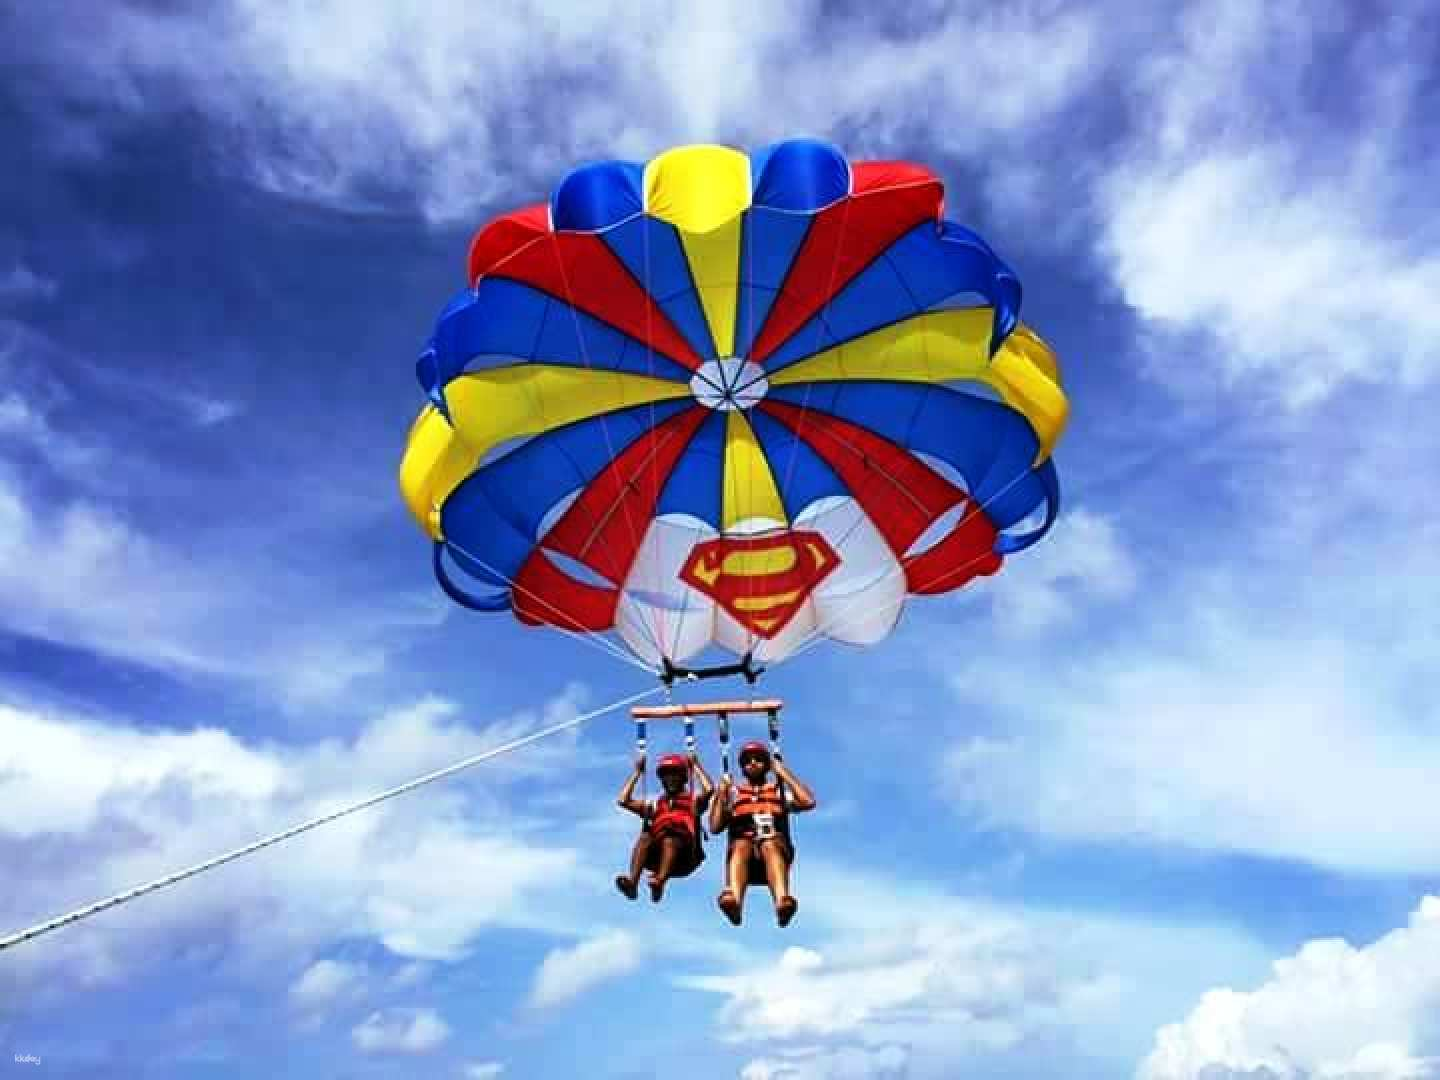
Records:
x=728, y=384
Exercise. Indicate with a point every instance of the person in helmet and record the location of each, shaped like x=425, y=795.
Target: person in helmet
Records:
x=756, y=816
x=669, y=844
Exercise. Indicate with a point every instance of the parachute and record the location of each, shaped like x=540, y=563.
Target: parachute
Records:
x=738, y=401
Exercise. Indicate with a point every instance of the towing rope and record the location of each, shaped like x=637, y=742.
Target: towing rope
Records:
x=305, y=826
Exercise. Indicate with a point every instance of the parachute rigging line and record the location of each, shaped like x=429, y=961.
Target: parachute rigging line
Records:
x=604, y=644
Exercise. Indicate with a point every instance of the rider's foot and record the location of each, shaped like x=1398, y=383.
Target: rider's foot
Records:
x=785, y=910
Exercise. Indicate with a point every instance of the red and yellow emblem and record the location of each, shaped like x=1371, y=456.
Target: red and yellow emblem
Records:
x=761, y=580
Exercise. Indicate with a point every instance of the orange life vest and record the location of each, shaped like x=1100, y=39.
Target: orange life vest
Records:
x=750, y=801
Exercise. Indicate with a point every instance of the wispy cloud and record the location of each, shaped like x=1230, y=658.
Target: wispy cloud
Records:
x=77, y=492
x=1247, y=218
x=1332, y=1011
x=432, y=113
x=567, y=973
x=842, y=1063
x=20, y=282
x=1259, y=222
x=324, y=982
x=401, y=1031
x=1224, y=733
x=1267, y=656
x=1222, y=209
x=1081, y=566
x=128, y=594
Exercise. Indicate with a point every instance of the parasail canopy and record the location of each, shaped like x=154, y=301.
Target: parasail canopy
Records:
x=736, y=400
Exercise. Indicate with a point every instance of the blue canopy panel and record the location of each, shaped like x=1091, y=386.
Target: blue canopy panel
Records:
x=594, y=197
x=798, y=175
x=696, y=484
x=923, y=268
x=792, y=181
x=801, y=474
x=652, y=251
x=988, y=443
x=494, y=515
x=769, y=240
x=501, y=322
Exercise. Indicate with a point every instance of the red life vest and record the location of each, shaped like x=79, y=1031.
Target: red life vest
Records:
x=673, y=814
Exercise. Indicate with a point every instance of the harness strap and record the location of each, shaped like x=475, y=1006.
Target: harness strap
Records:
x=689, y=749
x=640, y=747
x=725, y=745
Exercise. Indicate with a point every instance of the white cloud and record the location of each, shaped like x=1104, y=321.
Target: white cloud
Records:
x=484, y=1070
x=1298, y=289
x=28, y=425
x=1229, y=201
x=411, y=974
x=401, y=1031
x=21, y=283
x=119, y=594
x=127, y=594
x=1242, y=210
x=987, y=984
x=1264, y=665
x=167, y=593
x=952, y=981
x=323, y=982
x=1230, y=730
x=422, y=876
x=567, y=973
x=1330, y=1012
x=1081, y=564
x=843, y=1063
x=18, y=419
x=346, y=103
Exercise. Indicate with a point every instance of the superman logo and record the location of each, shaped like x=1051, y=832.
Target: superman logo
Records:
x=761, y=580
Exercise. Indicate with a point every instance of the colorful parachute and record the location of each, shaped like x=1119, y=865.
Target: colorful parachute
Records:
x=733, y=400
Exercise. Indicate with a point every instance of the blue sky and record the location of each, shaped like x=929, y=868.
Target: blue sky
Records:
x=1156, y=802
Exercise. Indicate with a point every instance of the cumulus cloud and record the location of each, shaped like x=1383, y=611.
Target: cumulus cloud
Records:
x=1330, y=1012
x=567, y=973
x=91, y=808
x=484, y=1070
x=979, y=974
x=987, y=984
x=905, y=979
x=401, y=1031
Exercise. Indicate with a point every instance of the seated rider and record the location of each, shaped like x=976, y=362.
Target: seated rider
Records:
x=756, y=815
x=669, y=844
